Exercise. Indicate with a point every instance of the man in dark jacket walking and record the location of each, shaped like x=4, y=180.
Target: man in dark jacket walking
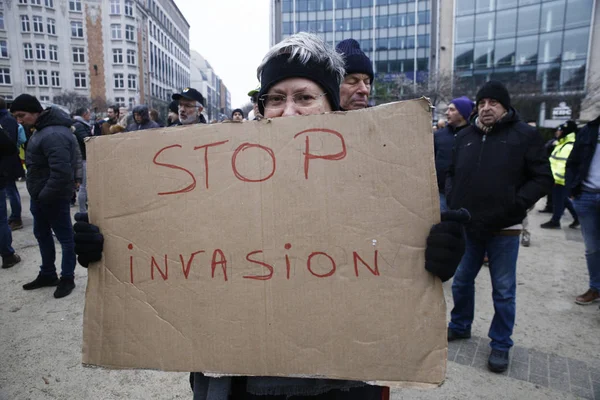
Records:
x=142, y=121
x=11, y=169
x=499, y=170
x=458, y=113
x=51, y=159
x=83, y=129
x=8, y=149
x=583, y=181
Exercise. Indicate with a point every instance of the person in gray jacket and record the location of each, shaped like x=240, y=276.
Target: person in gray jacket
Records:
x=142, y=121
x=53, y=161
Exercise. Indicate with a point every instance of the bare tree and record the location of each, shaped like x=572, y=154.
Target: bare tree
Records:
x=72, y=100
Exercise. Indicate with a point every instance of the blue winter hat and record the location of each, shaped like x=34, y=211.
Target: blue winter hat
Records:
x=464, y=106
x=356, y=61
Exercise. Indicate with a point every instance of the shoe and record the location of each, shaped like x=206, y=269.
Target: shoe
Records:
x=41, y=281
x=10, y=261
x=550, y=225
x=15, y=225
x=65, y=287
x=498, y=361
x=574, y=224
x=546, y=210
x=588, y=297
x=453, y=335
x=526, y=238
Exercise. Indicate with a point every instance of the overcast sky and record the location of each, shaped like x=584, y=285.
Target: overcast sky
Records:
x=233, y=35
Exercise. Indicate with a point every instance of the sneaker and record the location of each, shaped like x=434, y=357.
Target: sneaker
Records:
x=15, y=225
x=65, y=287
x=454, y=335
x=526, y=238
x=588, y=297
x=550, y=225
x=10, y=261
x=41, y=281
x=498, y=361
x=574, y=224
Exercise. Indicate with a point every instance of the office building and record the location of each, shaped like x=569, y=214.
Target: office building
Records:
x=206, y=81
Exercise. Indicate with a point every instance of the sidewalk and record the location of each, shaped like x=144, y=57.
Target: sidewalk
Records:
x=556, y=354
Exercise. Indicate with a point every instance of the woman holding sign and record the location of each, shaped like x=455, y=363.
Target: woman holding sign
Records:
x=299, y=76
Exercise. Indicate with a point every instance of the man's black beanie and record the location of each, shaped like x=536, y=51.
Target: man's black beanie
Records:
x=27, y=103
x=355, y=59
x=494, y=90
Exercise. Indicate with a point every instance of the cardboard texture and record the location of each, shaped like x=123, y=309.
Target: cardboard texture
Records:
x=302, y=254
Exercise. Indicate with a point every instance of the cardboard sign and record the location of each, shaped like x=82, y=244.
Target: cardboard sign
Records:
x=285, y=247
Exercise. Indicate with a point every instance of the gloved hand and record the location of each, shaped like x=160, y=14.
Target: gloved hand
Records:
x=446, y=244
x=89, y=242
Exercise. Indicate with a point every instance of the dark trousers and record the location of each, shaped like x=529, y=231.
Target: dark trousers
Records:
x=560, y=201
x=12, y=193
x=48, y=217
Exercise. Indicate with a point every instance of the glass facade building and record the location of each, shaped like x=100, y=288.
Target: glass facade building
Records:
x=541, y=45
x=390, y=32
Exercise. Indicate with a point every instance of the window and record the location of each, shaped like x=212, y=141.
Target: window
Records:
x=131, y=102
x=576, y=43
x=2, y=21
x=117, y=56
x=75, y=5
x=45, y=98
x=38, y=26
x=49, y=3
x=131, y=57
x=131, y=81
x=484, y=26
x=506, y=24
x=120, y=101
x=78, y=55
x=464, y=29
x=529, y=20
x=527, y=50
x=553, y=14
x=28, y=50
x=76, y=29
x=53, y=52
x=115, y=6
x=55, y=78
x=119, y=81
x=25, y=24
x=80, y=80
x=578, y=13
x=3, y=49
x=129, y=32
x=43, y=77
x=22, y=1
x=115, y=31
x=51, y=26
x=30, y=77
x=504, y=52
x=129, y=8
x=550, y=47
x=36, y=2
x=40, y=51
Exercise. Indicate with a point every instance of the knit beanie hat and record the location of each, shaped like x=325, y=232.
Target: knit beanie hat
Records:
x=464, y=106
x=568, y=127
x=282, y=67
x=237, y=110
x=356, y=61
x=174, y=106
x=27, y=103
x=494, y=90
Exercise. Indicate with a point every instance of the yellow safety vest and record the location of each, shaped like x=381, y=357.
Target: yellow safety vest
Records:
x=559, y=157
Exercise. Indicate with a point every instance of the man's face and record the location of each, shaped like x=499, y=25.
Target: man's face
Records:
x=295, y=96
x=110, y=113
x=26, y=118
x=454, y=117
x=137, y=117
x=490, y=111
x=87, y=116
x=354, y=91
x=188, y=111
x=237, y=116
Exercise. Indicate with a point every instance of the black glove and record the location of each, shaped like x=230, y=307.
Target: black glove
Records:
x=446, y=244
x=89, y=242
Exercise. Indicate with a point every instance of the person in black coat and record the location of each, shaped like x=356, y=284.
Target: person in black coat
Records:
x=83, y=130
x=583, y=183
x=11, y=169
x=52, y=160
x=8, y=149
x=499, y=170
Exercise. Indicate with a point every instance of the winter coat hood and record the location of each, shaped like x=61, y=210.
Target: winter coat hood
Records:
x=52, y=116
x=143, y=112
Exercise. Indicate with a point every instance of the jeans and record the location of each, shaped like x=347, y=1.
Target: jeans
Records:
x=6, y=249
x=15, y=201
x=83, y=190
x=588, y=209
x=560, y=201
x=502, y=252
x=443, y=204
x=48, y=217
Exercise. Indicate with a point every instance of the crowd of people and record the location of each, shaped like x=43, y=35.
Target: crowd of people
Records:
x=492, y=168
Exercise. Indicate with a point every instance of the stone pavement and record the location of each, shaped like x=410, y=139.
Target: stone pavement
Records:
x=530, y=365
